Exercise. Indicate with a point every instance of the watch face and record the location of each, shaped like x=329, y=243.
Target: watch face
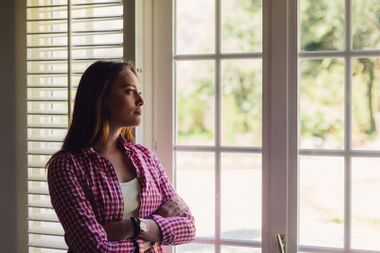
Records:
x=144, y=226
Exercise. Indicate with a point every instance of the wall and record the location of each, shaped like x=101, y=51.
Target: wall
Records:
x=13, y=211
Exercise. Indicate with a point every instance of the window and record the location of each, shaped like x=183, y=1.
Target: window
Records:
x=339, y=137
x=313, y=144
x=217, y=129
x=63, y=38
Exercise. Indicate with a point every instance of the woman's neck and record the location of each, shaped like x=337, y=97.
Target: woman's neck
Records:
x=110, y=144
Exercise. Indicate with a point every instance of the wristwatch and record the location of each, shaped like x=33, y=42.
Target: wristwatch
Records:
x=140, y=226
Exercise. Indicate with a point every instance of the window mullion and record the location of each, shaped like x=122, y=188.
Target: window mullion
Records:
x=347, y=128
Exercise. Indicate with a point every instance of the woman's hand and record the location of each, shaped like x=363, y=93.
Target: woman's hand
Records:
x=119, y=230
x=173, y=207
x=147, y=245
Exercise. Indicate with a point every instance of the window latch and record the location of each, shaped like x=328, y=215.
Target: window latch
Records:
x=281, y=242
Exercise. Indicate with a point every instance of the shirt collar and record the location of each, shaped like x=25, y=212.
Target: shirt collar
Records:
x=122, y=142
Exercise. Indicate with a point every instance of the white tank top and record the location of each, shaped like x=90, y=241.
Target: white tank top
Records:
x=131, y=195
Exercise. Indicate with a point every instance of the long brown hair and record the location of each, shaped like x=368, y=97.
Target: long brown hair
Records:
x=89, y=124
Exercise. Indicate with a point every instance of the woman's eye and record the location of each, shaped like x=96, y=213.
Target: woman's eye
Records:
x=133, y=91
x=130, y=91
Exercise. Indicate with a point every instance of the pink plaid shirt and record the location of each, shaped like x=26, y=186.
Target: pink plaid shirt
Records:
x=85, y=194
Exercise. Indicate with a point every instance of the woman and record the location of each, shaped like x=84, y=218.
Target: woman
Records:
x=110, y=194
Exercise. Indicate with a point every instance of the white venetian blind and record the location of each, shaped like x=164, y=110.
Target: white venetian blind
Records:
x=63, y=38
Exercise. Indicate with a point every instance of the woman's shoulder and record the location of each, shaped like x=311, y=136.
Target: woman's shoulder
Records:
x=62, y=160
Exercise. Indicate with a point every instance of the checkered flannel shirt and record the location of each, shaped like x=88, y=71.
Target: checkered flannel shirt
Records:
x=86, y=194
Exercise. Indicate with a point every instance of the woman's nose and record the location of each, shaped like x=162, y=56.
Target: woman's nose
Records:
x=139, y=100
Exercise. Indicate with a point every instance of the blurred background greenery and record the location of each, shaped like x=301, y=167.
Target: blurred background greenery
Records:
x=322, y=80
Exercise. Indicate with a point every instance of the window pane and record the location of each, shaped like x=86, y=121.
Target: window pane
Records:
x=241, y=26
x=200, y=168
x=241, y=196
x=321, y=201
x=195, y=26
x=322, y=103
x=195, y=95
x=365, y=204
x=322, y=25
x=231, y=249
x=366, y=103
x=194, y=248
x=366, y=24
x=241, y=102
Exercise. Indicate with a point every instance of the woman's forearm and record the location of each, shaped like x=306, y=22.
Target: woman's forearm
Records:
x=153, y=234
x=124, y=229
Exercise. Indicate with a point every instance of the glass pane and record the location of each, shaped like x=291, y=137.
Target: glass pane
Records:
x=366, y=103
x=322, y=103
x=321, y=201
x=321, y=25
x=195, y=26
x=231, y=249
x=241, y=102
x=365, y=203
x=198, y=167
x=366, y=24
x=194, y=248
x=241, y=196
x=241, y=29
x=195, y=93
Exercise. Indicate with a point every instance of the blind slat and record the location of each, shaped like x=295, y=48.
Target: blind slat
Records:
x=96, y=33
x=51, y=243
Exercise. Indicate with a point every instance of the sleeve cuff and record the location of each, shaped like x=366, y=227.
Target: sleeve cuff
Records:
x=165, y=229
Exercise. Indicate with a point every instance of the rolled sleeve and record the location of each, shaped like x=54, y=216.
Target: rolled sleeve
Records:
x=83, y=233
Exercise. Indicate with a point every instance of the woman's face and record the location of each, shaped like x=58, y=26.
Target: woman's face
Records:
x=124, y=103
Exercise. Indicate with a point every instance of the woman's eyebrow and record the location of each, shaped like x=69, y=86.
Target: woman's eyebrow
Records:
x=128, y=85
